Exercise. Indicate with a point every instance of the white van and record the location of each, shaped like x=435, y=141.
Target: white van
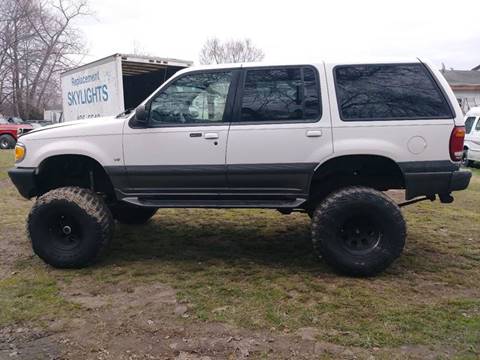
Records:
x=111, y=85
x=472, y=136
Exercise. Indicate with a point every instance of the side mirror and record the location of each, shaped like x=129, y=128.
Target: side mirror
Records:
x=141, y=115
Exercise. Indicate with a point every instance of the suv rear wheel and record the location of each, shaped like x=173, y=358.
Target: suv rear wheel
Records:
x=7, y=142
x=70, y=227
x=359, y=231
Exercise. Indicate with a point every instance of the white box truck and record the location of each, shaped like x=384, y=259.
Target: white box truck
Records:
x=113, y=84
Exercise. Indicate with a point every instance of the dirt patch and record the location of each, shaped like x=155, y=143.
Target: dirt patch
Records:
x=159, y=335
x=28, y=343
x=121, y=321
x=5, y=183
x=120, y=297
x=147, y=321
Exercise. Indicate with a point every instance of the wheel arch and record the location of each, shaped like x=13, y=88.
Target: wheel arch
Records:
x=73, y=169
x=377, y=171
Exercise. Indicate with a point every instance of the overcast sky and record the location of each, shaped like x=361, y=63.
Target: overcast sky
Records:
x=295, y=30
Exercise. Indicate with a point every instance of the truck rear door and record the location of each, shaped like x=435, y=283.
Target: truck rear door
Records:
x=281, y=131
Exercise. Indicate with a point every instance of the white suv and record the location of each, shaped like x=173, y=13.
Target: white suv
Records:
x=472, y=137
x=326, y=139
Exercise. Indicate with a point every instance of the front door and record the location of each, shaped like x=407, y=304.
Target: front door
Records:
x=181, y=152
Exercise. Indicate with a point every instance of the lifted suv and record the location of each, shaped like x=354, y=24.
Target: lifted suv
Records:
x=325, y=139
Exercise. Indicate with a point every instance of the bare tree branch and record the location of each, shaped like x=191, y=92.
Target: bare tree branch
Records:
x=214, y=51
x=37, y=41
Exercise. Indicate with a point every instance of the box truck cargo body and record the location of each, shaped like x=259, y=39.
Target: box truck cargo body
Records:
x=113, y=84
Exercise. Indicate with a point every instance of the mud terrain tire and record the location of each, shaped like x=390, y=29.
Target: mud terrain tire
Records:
x=70, y=227
x=358, y=231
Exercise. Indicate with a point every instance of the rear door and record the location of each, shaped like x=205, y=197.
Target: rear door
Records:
x=281, y=131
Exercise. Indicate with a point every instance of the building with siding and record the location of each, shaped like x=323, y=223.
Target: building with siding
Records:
x=466, y=86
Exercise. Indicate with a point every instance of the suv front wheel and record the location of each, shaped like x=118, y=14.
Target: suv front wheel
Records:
x=70, y=227
x=358, y=231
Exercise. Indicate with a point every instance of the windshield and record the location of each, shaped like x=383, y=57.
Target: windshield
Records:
x=15, y=120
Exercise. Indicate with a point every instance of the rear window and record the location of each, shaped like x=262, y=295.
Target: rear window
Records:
x=469, y=124
x=388, y=92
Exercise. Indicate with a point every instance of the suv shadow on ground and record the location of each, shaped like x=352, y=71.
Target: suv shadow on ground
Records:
x=245, y=240
x=257, y=237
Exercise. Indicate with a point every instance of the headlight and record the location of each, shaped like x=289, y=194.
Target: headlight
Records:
x=20, y=151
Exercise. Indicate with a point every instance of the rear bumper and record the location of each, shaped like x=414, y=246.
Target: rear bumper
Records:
x=24, y=181
x=435, y=183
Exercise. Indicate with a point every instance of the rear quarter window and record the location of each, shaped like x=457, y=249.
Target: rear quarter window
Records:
x=379, y=92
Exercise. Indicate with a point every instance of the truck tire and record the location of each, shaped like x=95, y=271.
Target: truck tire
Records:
x=7, y=142
x=70, y=227
x=358, y=231
x=131, y=214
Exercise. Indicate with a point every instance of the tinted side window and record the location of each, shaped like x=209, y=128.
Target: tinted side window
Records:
x=469, y=124
x=388, y=92
x=286, y=94
x=195, y=98
x=311, y=109
x=477, y=127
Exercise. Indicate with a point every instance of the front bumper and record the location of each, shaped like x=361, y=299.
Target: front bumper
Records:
x=433, y=183
x=24, y=181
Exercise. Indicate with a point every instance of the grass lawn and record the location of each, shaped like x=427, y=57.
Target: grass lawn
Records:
x=6, y=161
x=254, y=269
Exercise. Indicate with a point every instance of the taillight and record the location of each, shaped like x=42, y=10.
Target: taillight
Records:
x=456, y=143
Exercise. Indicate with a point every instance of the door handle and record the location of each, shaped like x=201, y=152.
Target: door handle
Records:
x=195, y=134
x=314, y=133
x=211, y=136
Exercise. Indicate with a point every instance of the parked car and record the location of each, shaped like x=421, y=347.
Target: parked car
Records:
x=324, y=139
x=9, y=132
x=471, y=148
